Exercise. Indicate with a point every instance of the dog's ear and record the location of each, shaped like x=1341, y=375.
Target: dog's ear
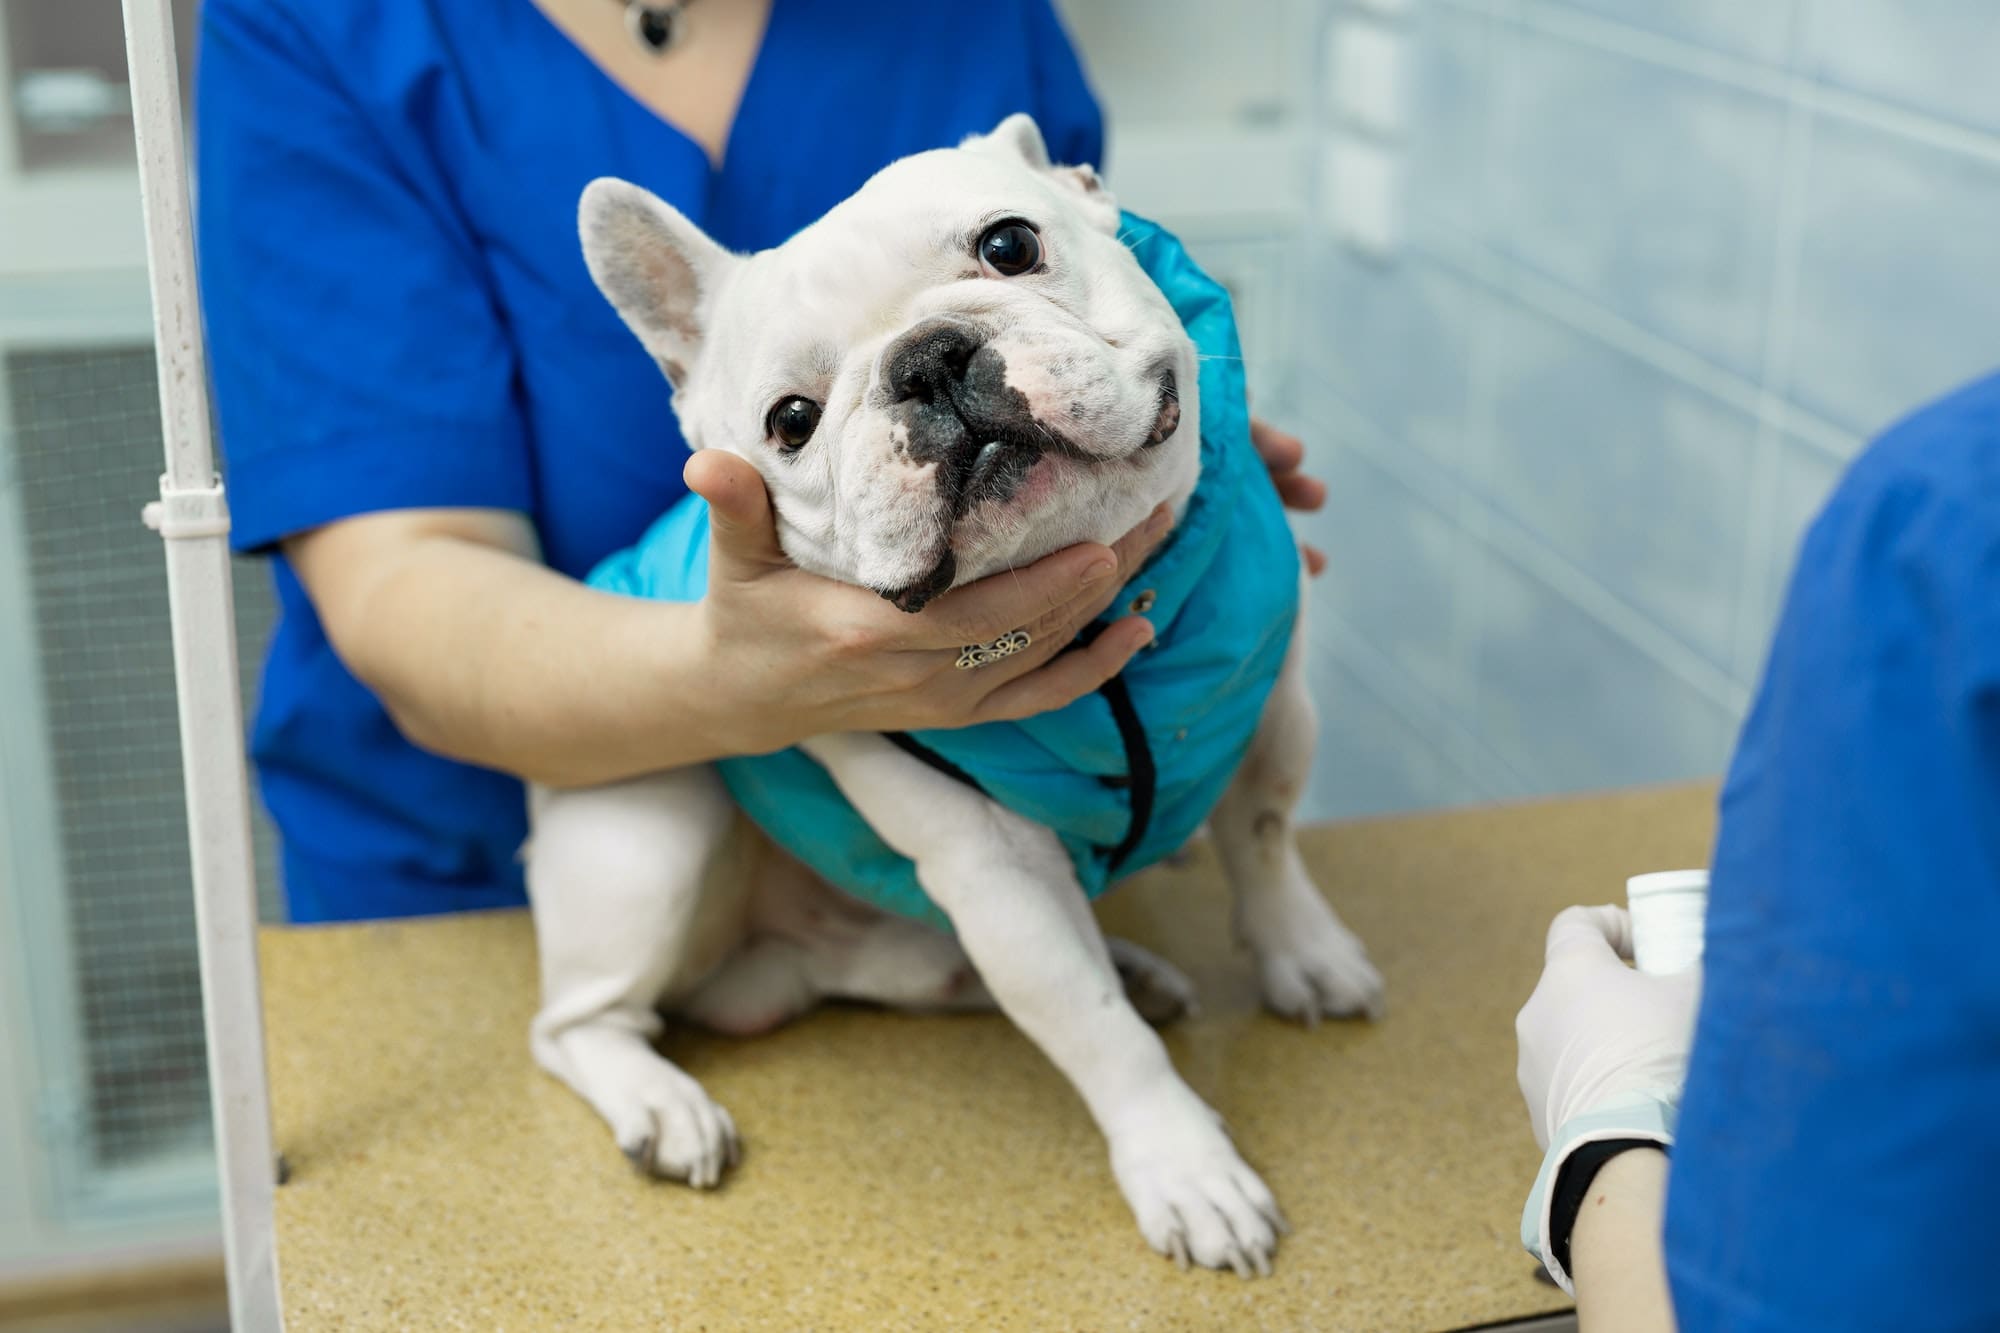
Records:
x=1098, y=204
x=655, y=267
x=1018, y=137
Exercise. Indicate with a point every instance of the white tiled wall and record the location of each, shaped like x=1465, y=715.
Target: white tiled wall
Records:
x=1654, y=270
x=1666, y=264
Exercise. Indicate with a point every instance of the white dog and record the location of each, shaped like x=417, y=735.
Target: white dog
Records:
x=861, y=368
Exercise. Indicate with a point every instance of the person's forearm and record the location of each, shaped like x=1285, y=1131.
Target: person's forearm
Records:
x=1615, y=1255
x=485, y=656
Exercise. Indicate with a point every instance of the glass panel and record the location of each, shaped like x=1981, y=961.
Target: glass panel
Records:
x=86, y=454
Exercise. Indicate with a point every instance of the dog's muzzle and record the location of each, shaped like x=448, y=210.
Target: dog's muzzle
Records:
x=1167, y=417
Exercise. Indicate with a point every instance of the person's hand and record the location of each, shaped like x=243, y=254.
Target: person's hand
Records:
x=797, y=655
x=1597, y=1035
x=1284, y=455
x=1603, y=1052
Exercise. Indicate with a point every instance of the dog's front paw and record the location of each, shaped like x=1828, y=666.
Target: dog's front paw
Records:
x=669, y=1127
x=1312, y=966
x=1203, y=1206
x=1195, y=1199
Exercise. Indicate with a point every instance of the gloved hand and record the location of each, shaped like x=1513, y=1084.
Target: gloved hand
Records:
x=1603, y=1050
x=1596, y=1034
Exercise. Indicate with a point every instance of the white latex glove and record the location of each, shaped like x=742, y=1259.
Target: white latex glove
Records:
x=1603, y=1050
x=1596, y=1033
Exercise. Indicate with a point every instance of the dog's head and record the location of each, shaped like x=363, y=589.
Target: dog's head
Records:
x=956, y=370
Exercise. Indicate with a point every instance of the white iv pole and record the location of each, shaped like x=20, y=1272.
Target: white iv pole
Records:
x=194, y=521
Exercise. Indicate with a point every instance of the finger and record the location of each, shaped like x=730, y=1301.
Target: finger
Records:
x=1138, y=545
x=1048, y=634
x=1315, y=559
x=1054, y=595
x=1281, y=452
x=1298, y=491
x=1134, y=549
x=1070, y=676
x=1584, y=931
x=1046, y=637
x=743, y=534
x=1014, y=598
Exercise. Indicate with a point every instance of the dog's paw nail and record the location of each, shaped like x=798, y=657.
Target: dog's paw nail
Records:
x=640, y=1155
x=668, y=1128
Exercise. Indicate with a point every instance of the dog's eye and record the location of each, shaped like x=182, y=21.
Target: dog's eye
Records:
x=793, y=421
x=1010, y=248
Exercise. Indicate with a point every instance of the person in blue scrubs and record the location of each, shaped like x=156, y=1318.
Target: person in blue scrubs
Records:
x=1834, y=1152
x=435, y=425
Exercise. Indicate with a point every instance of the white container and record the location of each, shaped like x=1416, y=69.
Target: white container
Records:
x=1668, y=911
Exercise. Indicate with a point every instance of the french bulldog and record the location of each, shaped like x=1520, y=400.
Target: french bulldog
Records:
x=957, y=370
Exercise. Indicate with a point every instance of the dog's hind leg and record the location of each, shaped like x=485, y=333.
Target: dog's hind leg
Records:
x=775, y=978
x=810, y=942
x=1160, y=991
x=1311, y=964
x=631, y=901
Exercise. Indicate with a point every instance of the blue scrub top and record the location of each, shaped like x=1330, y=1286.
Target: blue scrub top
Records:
x=399, y=316
x=1839, y=1140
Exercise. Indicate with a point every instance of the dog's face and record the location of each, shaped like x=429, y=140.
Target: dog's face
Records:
x=957, y=370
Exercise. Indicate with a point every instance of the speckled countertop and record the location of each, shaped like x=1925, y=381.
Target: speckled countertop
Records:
x=930, y=1173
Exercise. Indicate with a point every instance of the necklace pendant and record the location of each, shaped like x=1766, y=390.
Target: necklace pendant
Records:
x=654, y=26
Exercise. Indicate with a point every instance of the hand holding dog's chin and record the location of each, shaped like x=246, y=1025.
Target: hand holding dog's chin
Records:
x=792, y=655
x=1284, y=456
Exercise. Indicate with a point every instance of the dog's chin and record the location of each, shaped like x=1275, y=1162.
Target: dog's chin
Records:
x=914, y=597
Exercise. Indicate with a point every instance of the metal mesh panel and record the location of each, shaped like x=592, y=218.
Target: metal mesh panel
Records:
x=87, y=453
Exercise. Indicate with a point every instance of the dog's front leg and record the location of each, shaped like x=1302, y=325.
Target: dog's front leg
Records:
x=1012, y=896
x=619, y=877
x=1310, y=963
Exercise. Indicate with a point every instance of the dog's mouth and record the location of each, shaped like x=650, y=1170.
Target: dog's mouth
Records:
x=914, y=597
x=1013, y=441
x=1167, y=419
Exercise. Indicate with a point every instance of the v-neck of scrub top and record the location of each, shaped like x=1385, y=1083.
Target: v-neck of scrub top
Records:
x=711, y=172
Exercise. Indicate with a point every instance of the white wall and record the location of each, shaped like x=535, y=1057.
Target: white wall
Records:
x=1658, y=268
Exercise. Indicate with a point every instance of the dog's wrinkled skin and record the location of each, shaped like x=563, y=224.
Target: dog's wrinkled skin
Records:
x=970, y=421
x=1067, y=369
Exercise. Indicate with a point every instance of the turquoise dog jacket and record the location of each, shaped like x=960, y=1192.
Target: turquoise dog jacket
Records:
x=1123, y=776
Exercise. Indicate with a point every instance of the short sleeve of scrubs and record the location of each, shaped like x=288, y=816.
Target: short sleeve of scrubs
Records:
x=359, y=361
x=1840, y=1135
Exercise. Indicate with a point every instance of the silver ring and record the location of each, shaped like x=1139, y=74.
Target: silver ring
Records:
x=980, y=654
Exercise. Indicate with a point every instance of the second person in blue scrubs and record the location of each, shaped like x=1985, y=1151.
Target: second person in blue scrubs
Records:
x=1834, y=1154
x=435, y=425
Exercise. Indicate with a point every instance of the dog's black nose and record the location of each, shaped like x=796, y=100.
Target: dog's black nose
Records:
x=929, y=358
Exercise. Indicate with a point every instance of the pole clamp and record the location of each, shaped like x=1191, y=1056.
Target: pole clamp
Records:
x=187, y=512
